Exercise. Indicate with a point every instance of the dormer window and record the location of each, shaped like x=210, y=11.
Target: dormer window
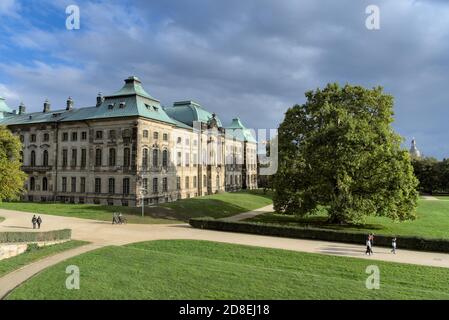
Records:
x=111, y=106
x=122, y=105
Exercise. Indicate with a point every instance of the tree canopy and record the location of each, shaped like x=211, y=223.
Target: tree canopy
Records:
x=12, y=179
x=338, y=150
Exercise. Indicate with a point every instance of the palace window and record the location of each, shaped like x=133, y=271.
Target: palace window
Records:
x=126, y=157
x=145, y=133
x=112, y=156
x=98, y=157
x=97, y=185
x=83, y=185
x=45, y=158
x=165, y=158
x=155, y=158
x=46, y=137
x=73, y=184
x=64, y=157
x=65, y=136
x=112, y=134
x=155, y=135
x=44, y=184
x=33, y=138
x=126, y=186
x=74, y=136
x=83, y=158
x=155, y=185
x=33, y=158
x=84, y=135
x=74, y=157
x=165, y=137
x=179, y=159
x=99, y=135
x=145, y=183
x=145, y=158
x=194, y=182
x=178, y=183
x=164, y=185
x=32, y=184
x=111, y=185
x=64, y=184
x=187, y=182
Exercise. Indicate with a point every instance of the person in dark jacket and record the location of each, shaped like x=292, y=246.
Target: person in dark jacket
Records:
x=39, y=222
x=34, y=221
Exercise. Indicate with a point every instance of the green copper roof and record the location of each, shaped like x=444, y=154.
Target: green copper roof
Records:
x=188, y=111
x=3, y=106
x=133, y=86
x=239, y=131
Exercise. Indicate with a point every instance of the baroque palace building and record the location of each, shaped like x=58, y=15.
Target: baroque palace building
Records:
x=128, y=147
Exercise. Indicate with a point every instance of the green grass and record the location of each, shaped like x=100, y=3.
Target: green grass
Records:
x=186, y=269
x=217, y=205
x=432, y=222
x=14, y=263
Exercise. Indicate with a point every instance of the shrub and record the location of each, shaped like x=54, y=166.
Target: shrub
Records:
x=41, y=236
x=404, y=242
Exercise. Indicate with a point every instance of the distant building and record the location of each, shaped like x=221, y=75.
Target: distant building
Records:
x=414, y=152
x=128, y=144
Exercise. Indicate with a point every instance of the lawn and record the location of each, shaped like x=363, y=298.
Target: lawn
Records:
x=432, y=222
x=14, y=263
x=188, y=269
x=217, y=205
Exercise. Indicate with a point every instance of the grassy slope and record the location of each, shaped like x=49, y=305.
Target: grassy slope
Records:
x=217, y=205
x=183, y=269
x=432, y=222
x=14, y=263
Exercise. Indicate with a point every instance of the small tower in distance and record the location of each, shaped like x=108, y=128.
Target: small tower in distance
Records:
x=414, y=152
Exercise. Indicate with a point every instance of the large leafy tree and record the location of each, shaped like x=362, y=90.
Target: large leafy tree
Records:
x=12, y=179
x=339, y=151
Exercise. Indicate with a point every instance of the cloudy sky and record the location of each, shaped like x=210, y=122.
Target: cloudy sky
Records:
x=246, y=58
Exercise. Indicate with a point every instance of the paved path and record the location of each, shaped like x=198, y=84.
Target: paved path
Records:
x=101, y=233
x=250, y=214
x=431, y=198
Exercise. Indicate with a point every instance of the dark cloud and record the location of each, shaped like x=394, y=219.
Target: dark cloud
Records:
x=252, y=59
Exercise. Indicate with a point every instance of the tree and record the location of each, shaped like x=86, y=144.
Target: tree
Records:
x=339, y=151
x=12, y=179
x=428, y=171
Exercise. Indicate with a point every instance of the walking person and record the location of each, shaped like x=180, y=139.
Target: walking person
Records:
x=393, y=245
x=369, y=251
x=371, y=239
x=34, y=221
x=39, y=222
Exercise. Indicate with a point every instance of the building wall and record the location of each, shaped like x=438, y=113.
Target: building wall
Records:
x=199, y=162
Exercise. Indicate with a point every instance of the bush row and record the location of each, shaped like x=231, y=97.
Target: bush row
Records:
x=41, y=236
x=403, y=242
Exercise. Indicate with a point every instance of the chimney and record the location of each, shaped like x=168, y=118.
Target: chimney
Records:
x=46, y=106
x=69, y=104
x=100, y=99
x=22, y=108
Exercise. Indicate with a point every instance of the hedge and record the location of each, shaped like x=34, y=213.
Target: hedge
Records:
x=41, y=236
x=403, y=242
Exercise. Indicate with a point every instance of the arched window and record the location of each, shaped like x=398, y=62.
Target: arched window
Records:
x=112, y=157
x=217, y=181
x=32, y=183
x=155, y=157
x=44, y=184
x=126, y=157
x=45, y=158
x=165, y=158
x=145, y=158
x=33, y=158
